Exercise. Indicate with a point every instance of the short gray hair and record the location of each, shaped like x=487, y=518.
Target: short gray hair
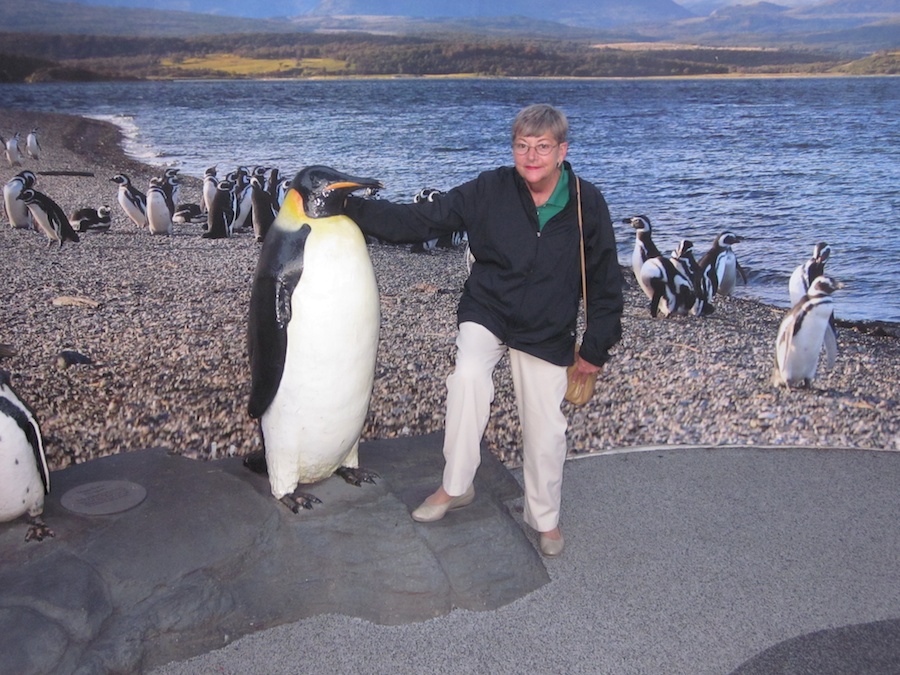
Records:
x=539, y=119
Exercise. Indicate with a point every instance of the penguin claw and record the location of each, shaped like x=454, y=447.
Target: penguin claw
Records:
x=300, y=499
x=38, y=531
x=356, y=475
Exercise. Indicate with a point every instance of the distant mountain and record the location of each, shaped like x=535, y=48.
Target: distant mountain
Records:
x=598, y=13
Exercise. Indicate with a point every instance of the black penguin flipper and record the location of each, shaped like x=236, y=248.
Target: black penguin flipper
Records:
x=32, y=433
x=741, y=270
x=278, y=272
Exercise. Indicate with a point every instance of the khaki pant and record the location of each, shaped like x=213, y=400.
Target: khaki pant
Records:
x=539, y=387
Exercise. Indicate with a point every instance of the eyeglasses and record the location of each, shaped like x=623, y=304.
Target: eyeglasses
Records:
x=522, y=148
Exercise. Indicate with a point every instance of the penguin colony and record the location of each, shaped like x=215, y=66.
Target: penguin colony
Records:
x=680, y=285
x=675, y=285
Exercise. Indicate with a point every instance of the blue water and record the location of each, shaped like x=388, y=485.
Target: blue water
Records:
x=782, y=162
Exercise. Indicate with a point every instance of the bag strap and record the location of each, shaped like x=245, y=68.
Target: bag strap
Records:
x=581, y=232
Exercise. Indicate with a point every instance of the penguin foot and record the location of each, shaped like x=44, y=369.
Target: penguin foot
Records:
x=256, y=462
x=356, y=475
x=299, y=499
x=38, y=530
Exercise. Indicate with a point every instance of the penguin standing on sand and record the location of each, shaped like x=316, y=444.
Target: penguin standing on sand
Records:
x=804, y=274
x=132, y=200
x=13, y=153
x=159, y=217
x=242, y=198
x=24, y=476
x=802, y=334
x=220, y=216
x=33, y=145
x=644, y=248
x=48, y=216
x=263, y=210
x=720, y=266
x=312, y=338
x=209, y=188
x=16, y=210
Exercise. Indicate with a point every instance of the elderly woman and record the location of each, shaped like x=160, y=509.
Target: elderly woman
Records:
x=522, y=295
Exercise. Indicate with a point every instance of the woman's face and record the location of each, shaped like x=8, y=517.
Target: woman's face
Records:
x=536, y=168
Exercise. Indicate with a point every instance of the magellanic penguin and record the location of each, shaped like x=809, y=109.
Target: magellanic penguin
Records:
x=209, y=188
x=132, y=200
x=720, y=266
x=33, y=145
x=159, y=215
x=24, y=476
x=89, y=218
x=312, y=338
x=673, y=292
x=263, y=209
x=644, y=248
x=803, y=275
x=803, y=332
x=13, y=153
x=16, y=210
x=49, y=217
x=220, y=217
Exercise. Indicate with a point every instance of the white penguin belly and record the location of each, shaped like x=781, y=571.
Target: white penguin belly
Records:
x=21, y=488
x=313, y=425
x=158, y=217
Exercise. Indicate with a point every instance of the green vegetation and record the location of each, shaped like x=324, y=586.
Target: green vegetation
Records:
x=297, y=55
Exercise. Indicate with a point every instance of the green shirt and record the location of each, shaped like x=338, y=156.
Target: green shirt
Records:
x=557, y=201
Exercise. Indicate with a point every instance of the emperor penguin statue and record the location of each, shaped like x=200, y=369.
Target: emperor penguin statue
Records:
x=312, y=338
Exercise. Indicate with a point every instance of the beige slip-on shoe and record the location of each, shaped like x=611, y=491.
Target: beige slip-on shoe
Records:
x=429, y=513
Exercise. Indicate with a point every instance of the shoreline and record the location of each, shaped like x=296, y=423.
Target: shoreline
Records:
x=168, y=364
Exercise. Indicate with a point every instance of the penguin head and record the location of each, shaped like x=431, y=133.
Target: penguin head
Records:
x=727, y=239
x=639, y=223
x=27, y=177
x=324, y=190
x=121, y=179
x=426, y=195
x=104, y=211
x=822, y=286
x=27, y=195
x=821, y=252
x=211, y=171
x=685, y=248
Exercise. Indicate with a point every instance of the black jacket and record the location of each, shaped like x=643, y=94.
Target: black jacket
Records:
x=526, y=283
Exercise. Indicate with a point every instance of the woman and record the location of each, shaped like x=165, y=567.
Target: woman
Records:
x=522, y=295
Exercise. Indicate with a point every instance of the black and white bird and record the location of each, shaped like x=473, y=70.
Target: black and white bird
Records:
x=49, y=217
x=24, y=475
x=33, y=145
x=804, y=274
x=132, y=200
x=807, y=327
x=263, y=210
x=241, y=198
x=644, y=248
x=209, y=188
x=89, y=218
x=16, y=210
x=672, y=288
x=187, y=213
x=13, y=153
x=159, y=214
x=720, y=265
x=220, y=217
x=171, y=184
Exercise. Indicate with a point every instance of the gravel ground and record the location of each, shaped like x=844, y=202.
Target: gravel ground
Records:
x=168, y=365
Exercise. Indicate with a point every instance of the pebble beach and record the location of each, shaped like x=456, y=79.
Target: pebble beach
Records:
x=160, y=325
